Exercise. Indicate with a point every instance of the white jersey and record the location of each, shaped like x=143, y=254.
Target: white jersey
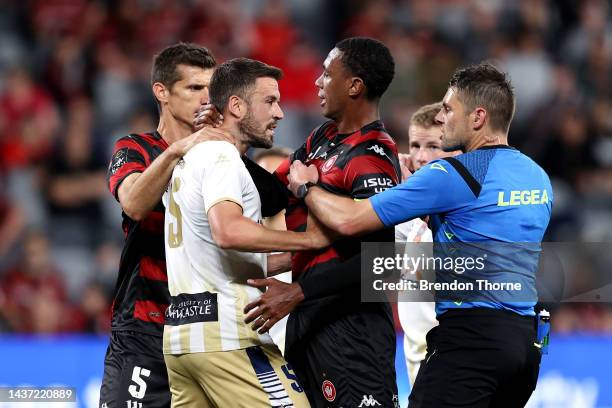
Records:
x=416, y=318
x=208, y=284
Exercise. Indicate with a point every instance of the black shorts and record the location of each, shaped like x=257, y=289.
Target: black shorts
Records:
x=134, y=372
x=349, y=361
x=478, y=358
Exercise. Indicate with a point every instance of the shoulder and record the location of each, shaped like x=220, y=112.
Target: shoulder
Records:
x=439, y=169
x=373, y=140
x=212, y=153
x=137, y=141
x=325, y=130
x=376, y=131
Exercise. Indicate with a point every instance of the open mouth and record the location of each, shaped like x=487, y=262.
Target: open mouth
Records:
x=272, y=127
x=322, y=97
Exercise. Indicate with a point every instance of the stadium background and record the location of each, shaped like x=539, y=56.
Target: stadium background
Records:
x=74, y=77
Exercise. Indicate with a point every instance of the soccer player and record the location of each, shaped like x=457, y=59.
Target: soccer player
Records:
x=417, y=317
x=482, y=353
x=214, y=240
x=342, y=350
x=140, y=168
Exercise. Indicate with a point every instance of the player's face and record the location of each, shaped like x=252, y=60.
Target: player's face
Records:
x=454, y=120
x=333, y=84
x=425, y=145
x=263, y=113
x=189, y=93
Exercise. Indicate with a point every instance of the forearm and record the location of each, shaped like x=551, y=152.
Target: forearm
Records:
x=279, y=263
x=342, y=214
x=142, y=195
x=243, y=234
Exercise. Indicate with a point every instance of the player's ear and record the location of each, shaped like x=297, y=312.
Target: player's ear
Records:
x=356, y=87
x=236, y=106
x=479, y=118
x=161, y=92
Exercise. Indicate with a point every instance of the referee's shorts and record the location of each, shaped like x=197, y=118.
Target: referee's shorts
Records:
x=478, y=358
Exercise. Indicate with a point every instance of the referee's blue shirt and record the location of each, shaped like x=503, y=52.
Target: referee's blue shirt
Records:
x=494, y=194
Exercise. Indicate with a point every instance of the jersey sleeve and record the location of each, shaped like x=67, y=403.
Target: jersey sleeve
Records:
x=127, y=159
x=435, y=188
x=372, y=169
x=223, y=173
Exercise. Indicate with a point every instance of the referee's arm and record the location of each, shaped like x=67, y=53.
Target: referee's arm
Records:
x=432, y=190
x=342, y=214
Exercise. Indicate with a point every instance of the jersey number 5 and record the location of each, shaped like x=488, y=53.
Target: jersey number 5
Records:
x=138, y=390
x=175, y=239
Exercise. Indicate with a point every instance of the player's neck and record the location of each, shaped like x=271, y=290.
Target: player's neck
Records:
x=241, y=141
x=487, y=139
x=357, y=116
x=172, y=130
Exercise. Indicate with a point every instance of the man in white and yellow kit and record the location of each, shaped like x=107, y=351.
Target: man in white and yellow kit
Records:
x=213, y=211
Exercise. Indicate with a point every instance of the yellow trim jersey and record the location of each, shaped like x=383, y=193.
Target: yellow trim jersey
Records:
x=208, y=284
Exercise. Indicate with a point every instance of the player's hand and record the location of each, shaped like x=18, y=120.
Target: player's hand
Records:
x=405, y=165
x=300, y=174
x=207, y=115
x=276, y=302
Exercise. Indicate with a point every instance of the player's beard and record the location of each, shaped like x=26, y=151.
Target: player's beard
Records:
x=255, y=132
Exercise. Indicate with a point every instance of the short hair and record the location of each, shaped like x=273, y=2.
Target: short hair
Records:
x=485, y=86
x=425, y=116
x=275, y=151
x=237, y=77
x=164, y=64
x=370, y=60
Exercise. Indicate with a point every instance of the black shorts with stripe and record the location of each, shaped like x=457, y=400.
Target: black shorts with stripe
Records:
x=349, y=360
x=134, y=372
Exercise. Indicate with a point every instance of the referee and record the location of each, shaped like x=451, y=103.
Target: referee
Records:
x=482, y=354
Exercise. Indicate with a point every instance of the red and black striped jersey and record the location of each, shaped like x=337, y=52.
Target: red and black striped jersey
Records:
x=141, y=293
x=359, y=165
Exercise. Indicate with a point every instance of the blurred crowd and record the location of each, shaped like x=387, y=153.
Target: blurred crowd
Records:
x=74, y=76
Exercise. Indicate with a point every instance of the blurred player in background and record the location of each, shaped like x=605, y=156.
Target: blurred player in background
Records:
x=418, y=317
x=140, y=168
x=213, y=211
x=271, y=158
x=342, y=350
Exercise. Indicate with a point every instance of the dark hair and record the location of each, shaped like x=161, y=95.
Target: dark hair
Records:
x=236, y=77
x=485, y=86
x=369, y=60
x=165, y=63
x=425, y=116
